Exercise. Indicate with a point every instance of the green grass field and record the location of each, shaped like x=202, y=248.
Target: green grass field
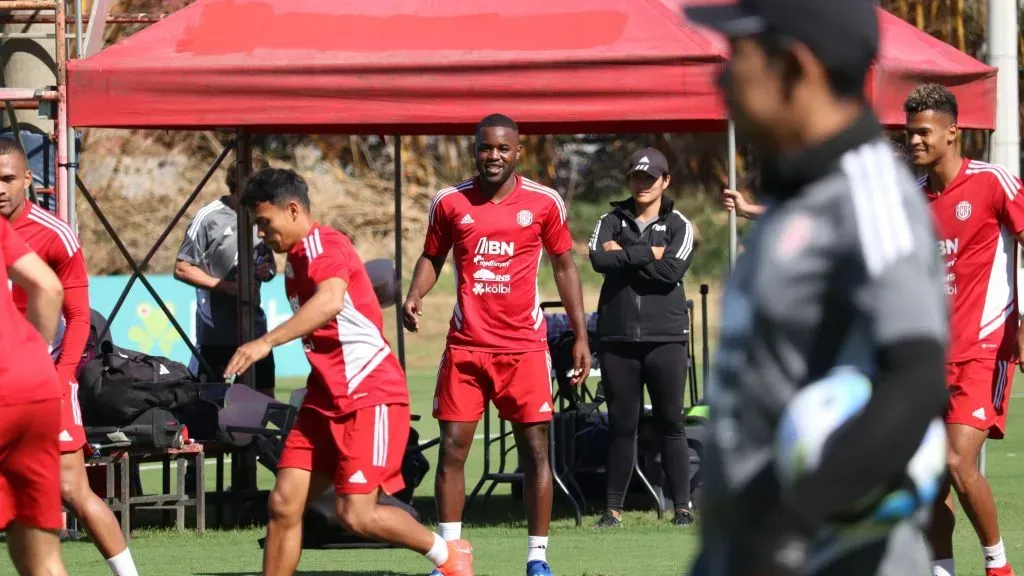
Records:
x=644, y=546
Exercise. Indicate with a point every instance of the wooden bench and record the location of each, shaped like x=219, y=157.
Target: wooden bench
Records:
x=118, y=463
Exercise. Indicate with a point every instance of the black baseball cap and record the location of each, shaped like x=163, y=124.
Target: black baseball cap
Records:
x=650, y=161
x=842, y=34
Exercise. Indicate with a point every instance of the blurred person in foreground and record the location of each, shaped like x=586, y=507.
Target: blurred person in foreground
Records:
x=208, y=261
x=353, y=426
x=58, y=246
x=841, y=269
x=643, y=247
x=979, y=211
x=30, y=410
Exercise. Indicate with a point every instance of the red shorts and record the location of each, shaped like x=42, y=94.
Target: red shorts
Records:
x=979, y=394
x=30, y=465
x=72, y=434
x=519, y=385
x=361, y=450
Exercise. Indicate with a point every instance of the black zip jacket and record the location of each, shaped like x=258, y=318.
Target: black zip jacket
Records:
x=642, y=298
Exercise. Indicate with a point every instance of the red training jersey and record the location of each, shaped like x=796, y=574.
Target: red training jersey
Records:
x=351, y=361
x=978, y=217
x=58, y=246
x=497, y=251
x=26, y=371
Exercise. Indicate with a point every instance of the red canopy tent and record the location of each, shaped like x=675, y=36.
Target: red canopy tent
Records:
x=438, y=66
x=410, y=66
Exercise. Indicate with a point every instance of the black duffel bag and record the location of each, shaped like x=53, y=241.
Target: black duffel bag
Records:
x=119, y=385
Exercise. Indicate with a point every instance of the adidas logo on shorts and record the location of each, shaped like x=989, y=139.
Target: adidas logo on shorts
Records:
x=357, y=478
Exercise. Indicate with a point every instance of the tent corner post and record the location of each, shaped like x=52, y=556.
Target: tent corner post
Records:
x=247, y=288
x=733, y=241
x=399, y=327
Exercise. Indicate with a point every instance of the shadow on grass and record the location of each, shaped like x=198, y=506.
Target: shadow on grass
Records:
x=498, y=510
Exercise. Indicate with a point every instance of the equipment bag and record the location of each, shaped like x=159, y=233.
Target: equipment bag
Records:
x=154, y=428
x=118, y=385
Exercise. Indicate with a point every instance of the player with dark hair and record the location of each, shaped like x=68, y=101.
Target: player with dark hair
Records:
x=496, y=225
x=840, y=270
x=58, y=246
x=30, y=405
x=354, y=422
x=979, y=212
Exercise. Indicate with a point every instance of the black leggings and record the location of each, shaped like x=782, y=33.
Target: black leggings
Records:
x=625, y=368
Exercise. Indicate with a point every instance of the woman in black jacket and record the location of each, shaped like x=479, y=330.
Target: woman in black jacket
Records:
x=643, y=247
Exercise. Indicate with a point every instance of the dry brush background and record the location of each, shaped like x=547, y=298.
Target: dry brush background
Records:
x=140, y=178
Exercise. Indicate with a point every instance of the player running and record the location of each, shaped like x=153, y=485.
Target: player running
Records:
x=497, y=225
x=979, y=212
x=58, y=246
x=354, y=423
x=30, y=398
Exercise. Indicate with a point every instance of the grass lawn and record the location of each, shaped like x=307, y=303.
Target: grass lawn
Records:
x=644, y=546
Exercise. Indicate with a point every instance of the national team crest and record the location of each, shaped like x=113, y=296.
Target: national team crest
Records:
x=795, y=236
x=289, y=272
x=524, y=218
x=963, y=210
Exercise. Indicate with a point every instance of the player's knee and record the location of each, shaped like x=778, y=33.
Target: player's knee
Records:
x=962, y=469
x=454, y=451
x=536, y=456
x=355, y=517
x=282, y=507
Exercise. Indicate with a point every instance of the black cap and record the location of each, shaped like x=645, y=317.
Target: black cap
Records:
x=842, y=34
x=648, y=160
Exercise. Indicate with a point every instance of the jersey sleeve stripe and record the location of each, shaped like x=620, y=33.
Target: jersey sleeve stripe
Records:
x=316, y=241
x=597, y=230
x=687, y=247
x=1010, y=183
x=197, y=222
x=305, y=244
x=431, y=212
x=883, y=227
x=536, y=187
x=65, y=236
x=57, y=225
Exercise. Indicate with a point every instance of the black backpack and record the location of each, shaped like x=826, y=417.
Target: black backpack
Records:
x=119, y=385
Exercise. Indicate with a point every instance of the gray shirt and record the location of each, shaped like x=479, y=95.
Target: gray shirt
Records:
x=211, y=243
x=841, y=264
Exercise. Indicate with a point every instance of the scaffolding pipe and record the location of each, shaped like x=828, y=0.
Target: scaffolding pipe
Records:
x=29, y=95
x=72, y=149
x=60, y=126
x=30, y=4
x=399, y=326
x=50, y=19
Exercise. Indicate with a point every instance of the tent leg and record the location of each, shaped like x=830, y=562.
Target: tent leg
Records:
x=399, y=328
x=733, y=243
x=163, y=236
x=138, y=271
x=246, y=285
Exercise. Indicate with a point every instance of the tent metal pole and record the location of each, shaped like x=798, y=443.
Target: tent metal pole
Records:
x=163, y=236
x=733, y=243
x=399, y=327
x=137, y=271
x=246, y=285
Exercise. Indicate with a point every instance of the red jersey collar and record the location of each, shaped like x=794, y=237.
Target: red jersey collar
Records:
x=476, y=188
x=24, y=213
x=952, y=183
x=300, y=247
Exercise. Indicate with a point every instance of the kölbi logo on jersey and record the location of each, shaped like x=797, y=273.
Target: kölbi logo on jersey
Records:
x=494, y=247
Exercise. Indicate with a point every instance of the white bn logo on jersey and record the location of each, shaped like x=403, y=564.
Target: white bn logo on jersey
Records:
x=963, y=210
x=524, y=218
x=494, y=247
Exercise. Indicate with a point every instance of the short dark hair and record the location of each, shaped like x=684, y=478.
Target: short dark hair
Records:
x=9, y=146
x=497, y=121
x=934, y=97
x=277, y=186
x=845, y=82
x=258, y=163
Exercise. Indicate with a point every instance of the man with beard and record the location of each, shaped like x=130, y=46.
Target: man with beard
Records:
x=497, y=224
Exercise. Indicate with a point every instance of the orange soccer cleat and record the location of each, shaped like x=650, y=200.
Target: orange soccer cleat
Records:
x=460, y=559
